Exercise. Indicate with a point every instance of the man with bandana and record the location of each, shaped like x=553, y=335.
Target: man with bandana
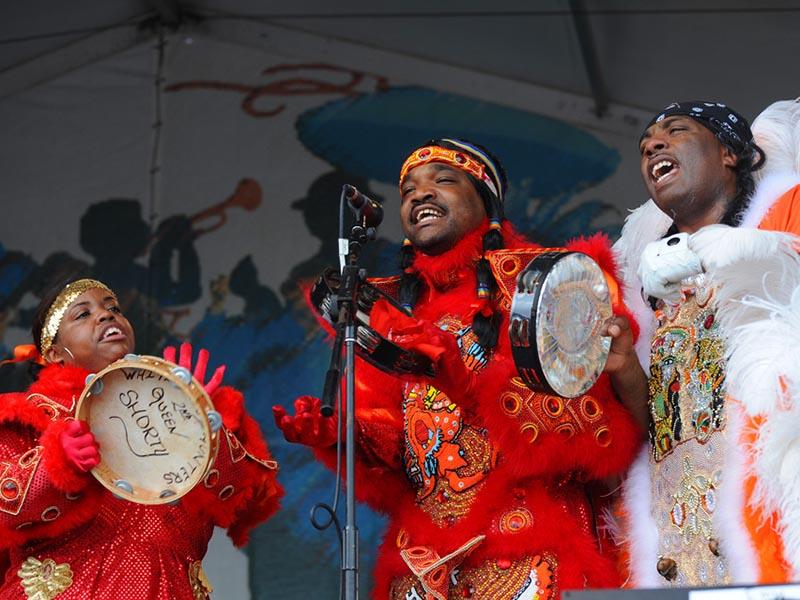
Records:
x=484, y=482
x=705, y=262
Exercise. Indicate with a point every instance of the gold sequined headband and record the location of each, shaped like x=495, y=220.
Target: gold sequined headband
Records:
x=464, y=160
x=60, y=305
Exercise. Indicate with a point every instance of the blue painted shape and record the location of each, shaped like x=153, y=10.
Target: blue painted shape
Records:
x=372, y=135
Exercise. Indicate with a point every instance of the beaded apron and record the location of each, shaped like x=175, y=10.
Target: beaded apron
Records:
x=687, y=435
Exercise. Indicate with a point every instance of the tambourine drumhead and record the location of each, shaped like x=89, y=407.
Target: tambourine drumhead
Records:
x=150, y=419
x=561, y=302
x=370, y=345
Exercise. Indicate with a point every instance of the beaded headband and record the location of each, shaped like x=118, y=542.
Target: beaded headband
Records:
x=60, y=305
x=469, y=159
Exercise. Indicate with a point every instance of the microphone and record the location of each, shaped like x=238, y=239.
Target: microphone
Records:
x=364, y=207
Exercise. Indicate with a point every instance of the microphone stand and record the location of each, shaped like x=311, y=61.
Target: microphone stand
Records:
x=353, y=276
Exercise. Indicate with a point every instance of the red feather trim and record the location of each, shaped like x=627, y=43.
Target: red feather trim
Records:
x=60, y=382
x=598, y=246
x=261, y=497
x=15, y=408
x=440, y=270
x=229, y=402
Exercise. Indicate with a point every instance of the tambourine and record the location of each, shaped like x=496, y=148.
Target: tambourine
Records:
x=561, y=301
x=370, y=345
x=155, y=425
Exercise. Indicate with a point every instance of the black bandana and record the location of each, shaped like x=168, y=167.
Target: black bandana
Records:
x=731, y=128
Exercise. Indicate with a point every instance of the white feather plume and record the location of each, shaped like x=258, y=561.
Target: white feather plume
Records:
x=759, y=310
x=769, y=384
x=642, y=532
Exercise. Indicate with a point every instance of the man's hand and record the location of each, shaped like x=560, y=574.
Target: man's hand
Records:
x=451, y=374
x=719, y=246
x=622, y=353
x=419, y=335
x=665, y=263
x=185, y=361
x=80, y=446
x=627, y=376
x=307, y=426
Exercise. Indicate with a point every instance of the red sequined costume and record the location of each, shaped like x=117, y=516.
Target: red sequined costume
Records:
x=486, y=493
x=69, y=538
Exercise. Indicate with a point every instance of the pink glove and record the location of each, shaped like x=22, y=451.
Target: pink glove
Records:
x=307, y=426
x=185, y=361
x=79, y=446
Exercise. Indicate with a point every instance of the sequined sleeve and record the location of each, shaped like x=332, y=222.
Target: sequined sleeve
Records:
x=31, y=503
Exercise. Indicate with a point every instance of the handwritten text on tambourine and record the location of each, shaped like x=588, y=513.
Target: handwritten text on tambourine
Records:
x=152, y=429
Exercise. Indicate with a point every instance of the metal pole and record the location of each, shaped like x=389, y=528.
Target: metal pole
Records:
x=583, y=29
x=350, y=545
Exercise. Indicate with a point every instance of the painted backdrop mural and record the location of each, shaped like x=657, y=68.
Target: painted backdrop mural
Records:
x=244, y=215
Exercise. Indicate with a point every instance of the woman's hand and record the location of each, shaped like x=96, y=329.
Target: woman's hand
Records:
x=80, y=446
x=185, y=361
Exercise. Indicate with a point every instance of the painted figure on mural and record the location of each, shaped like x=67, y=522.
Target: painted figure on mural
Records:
x=483, y=481
x=261, y=338
x=66, y=536
x=317, y=210
x=116, y=236
x=709, y=502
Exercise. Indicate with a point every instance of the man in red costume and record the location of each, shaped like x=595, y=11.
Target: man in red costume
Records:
x=482, y=479
x=67, y=537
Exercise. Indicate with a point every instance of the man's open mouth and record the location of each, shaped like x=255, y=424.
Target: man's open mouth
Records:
x=426, y=213
x=662, y=169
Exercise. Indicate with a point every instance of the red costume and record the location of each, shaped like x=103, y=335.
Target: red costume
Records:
x=485, y=488
x=69, y=538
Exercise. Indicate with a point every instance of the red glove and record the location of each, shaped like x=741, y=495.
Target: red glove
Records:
x=79, y=446
x=185, y=361
x=451, y=374
x=307, y=426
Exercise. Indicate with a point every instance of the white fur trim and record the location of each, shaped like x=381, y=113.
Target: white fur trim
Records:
x=777, y=131
x=642, y=534
x=769, y=189
x=644, y=225
x=734, y=539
